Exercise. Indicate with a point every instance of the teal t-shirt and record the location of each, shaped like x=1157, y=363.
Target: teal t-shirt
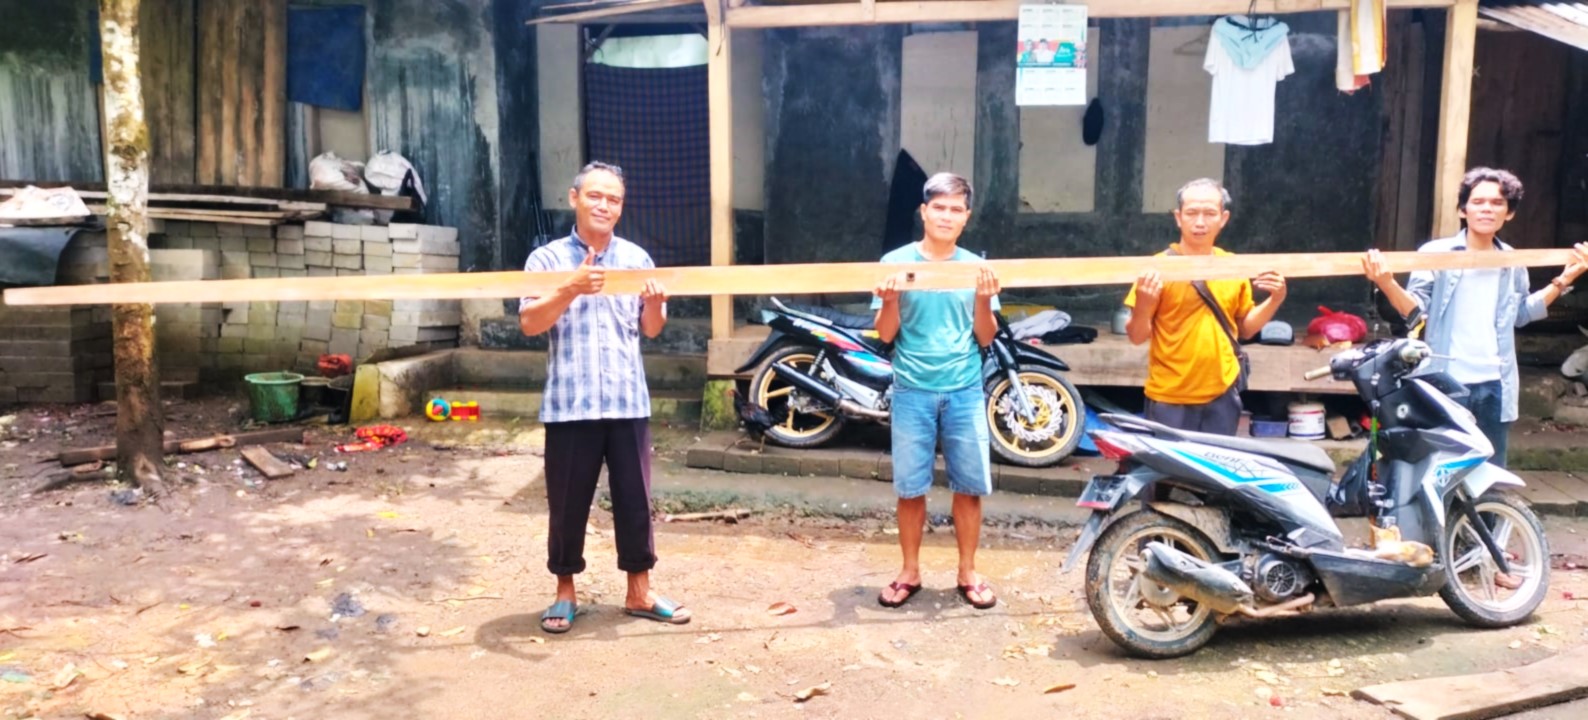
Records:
x=936, y=347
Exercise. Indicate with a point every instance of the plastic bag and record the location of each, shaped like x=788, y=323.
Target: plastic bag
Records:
x=329, y=172
x=1336, y=327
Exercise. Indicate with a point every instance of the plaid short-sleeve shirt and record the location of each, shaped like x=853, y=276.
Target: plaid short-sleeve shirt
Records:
x=594, y=369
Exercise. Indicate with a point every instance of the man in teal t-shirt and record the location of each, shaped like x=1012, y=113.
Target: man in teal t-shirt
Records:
x=937, y=389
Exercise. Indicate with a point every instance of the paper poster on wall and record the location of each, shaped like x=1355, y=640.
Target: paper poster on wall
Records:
x=1050, y=65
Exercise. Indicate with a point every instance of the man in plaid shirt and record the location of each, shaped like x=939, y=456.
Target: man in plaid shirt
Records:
x=596, y=407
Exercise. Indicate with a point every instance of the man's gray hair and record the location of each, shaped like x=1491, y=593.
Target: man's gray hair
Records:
x=578, y=180
x=945, y=183
x=1224, y=194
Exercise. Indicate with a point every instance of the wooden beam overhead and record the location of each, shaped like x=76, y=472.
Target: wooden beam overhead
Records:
x=867, y=12
x=802, y=279
x=719, y=89
x=1455, y=113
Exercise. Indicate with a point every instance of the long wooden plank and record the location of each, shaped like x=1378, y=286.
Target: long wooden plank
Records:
x=273, y=97
x=773, y=279
x=1455, y=111
x=1485, y=695
x=857, y=13
x=719, y=85
x=106, y=452
x=265, y=462
x=220, y=192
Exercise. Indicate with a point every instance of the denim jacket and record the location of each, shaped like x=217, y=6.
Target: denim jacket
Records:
x=1434, y=291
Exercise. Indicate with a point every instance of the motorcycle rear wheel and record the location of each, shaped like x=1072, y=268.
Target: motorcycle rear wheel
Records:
x=1057, y=404
x=1117, y=600
x=795, y=429
x=1471, y=589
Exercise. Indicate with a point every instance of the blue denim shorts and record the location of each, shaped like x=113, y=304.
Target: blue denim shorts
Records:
x=957, y=421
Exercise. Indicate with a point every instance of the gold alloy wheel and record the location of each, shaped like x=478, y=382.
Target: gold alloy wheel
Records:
x=1052, y=401
x=773, y=394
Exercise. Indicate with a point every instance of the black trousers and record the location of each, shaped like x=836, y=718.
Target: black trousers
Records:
x=1221, y=416
x=575, y=452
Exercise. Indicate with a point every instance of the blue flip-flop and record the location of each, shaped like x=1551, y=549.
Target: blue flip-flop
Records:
x=560, y=610
x=663, y=610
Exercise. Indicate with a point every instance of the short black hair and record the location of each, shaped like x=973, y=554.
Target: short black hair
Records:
x=1510, y=186
x=578, y=180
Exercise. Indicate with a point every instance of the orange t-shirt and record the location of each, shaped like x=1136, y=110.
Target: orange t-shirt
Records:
x=1190, y=361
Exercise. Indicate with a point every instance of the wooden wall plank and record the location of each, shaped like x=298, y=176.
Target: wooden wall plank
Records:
x=167, y=32
x=273, y=102
x=242, y=92
x=1518, y=123
x=1455, y=107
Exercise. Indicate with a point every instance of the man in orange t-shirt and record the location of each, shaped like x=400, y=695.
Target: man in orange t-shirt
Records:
x=1191, y=367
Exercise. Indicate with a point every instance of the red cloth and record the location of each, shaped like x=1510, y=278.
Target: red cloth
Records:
x=335, y=365
x=375, y=437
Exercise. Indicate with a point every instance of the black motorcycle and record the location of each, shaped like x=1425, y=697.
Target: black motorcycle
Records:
x=820, y=368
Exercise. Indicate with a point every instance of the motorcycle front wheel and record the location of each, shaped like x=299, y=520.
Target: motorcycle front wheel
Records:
x=1474, y=587
x=1141, y=616
x=795, y=428
x=1048, y=437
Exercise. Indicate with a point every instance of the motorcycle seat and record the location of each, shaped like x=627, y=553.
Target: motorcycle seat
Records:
x=837, y=317
x=1294, y=452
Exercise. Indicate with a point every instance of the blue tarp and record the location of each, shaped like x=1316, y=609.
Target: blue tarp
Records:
x=325, y=56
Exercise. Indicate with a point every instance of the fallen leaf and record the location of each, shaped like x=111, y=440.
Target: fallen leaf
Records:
x=1332, y=692
x=422, y=631
x=1005, y=682
x=287, y=628
x=1043, y=650
x=746, y=697
x=318, y=655
x=30, y=558
x=7, y=656
x=707, y=639
x=753, y=669
x=454, y=631
x=388, y=514
x=781, y=608
x=1061, y=687
x=102, y=716
x=538, y=640
x=1270, y=678
x=66, y=676
x=193, y=668
x=825, y=688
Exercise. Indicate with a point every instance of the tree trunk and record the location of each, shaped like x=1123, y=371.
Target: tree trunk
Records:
x=139, y=420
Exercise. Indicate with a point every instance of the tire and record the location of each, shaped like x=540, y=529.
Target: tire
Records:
x=1056, y=400
x=1470, y=590
x=1123, y=624
x=767, y=390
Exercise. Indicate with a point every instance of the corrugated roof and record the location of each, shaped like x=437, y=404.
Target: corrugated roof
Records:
x=1561, y=20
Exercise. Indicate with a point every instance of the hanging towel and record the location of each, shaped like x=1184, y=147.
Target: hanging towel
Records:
x=1367, y=36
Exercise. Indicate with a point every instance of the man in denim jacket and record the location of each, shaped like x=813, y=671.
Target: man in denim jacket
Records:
x=1472, y=315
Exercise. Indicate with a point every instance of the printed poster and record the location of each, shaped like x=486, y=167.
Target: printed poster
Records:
x=1050, y=64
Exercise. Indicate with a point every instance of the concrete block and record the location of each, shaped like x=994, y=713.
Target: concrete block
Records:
x=234, y=244
x=316, y=332
x=344, y=342
x=229, y=344
x=292, y=307
x=178, y=228
x=347, y=247
x=262, y=332
x=261, y=245
x=316, y=258
x=296, y=322
x=178, y=242
x=206, y=243
x=438, y=240
x=347, y=320
x=405, y=261
x=314, y=347
x=377, y=248
x=234, y=331
x=427, y=318
x=265, y=307
x=405, y=384
x=263, y=259
x=264, y=272
x=348, y=262
x=322, y=305
x=289, y=232
x=317, y=228
x=403, y=231
x=230, y=230
x=376, y=322
x=378, y=307
x=322, y=272
x=373, y=336
x=289, y=247
x=319, y=244
x=256, y=346
x=439, y=263
x=293, y=272
x=426, y=305
x=405, y=247
x=259, y=231
x=374, y=265
x=290, y=332
x=347, y=232
x=290, y=262
x=345, y=272
x=233, y=257
x=236, y=272
x=202, y=230
x=373, y=234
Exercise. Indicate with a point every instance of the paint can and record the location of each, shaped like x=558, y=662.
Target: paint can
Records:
x=1307, y=421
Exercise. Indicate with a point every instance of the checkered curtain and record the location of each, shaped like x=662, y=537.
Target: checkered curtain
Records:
x=653, y=123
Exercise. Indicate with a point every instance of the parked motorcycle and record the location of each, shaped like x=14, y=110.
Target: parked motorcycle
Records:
x=819, y=369
x=1196, y=528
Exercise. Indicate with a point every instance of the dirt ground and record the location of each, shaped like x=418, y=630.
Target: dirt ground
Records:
x=411, y=584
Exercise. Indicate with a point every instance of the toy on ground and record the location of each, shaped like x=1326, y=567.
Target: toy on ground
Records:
x=439, y=410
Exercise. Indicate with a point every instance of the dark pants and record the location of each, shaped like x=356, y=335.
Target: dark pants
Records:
x=1484, y=400
x=574, y=454
x=1221, y=416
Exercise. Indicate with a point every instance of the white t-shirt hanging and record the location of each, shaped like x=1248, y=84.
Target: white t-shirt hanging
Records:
x=1242, y=109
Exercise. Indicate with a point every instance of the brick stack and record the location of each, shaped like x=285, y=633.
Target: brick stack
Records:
x=53, y=354
x=186, y=337
x=419, y=250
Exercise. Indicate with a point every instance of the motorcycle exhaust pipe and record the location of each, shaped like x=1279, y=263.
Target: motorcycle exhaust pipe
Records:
x=1208, y=584
x=825, y=393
